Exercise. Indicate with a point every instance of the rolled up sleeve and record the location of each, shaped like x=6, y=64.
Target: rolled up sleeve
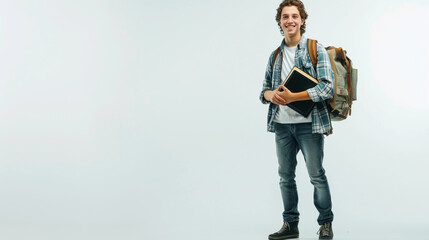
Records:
x=268, y=81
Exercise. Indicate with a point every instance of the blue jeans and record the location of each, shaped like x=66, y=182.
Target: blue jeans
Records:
x=290, y=138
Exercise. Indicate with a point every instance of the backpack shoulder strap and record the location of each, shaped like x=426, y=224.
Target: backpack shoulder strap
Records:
x=276, y=53
x=312, y=51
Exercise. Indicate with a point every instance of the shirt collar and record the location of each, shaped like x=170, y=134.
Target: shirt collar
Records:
x=302, y=43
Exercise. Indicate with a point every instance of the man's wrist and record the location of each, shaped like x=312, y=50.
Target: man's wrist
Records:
x=293, y=97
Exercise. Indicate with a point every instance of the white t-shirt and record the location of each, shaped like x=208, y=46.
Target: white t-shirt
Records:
x=285, y=114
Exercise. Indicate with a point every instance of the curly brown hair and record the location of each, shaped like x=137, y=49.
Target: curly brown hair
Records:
x=298, y=4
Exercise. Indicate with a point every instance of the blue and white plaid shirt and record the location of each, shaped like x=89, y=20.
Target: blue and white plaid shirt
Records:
x=322, y=91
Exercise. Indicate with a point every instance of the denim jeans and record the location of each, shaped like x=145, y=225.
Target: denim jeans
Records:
x=290, y=138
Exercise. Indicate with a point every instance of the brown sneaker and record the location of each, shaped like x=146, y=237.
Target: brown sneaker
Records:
x=288, y=230
x=325, y=231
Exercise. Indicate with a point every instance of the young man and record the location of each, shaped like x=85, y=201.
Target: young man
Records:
x=294, y=132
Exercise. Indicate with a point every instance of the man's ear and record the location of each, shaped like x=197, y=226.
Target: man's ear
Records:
x=302, y=21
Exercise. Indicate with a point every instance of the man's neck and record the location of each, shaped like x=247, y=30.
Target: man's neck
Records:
x=292, y=41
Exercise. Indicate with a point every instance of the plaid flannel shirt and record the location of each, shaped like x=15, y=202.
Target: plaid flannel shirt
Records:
x=322, y=91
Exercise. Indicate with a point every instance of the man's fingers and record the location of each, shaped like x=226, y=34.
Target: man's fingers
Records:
x=277, y=95
x=279, y=100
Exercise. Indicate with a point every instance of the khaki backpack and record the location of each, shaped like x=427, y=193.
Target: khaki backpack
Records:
x=340, y=105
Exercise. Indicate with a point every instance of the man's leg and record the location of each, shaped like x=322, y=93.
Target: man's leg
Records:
x=311, y=146
x=287, y=149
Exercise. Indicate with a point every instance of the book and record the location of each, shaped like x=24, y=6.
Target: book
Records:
x=298, y=81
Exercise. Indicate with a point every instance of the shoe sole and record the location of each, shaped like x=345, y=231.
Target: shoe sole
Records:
x=282, y=238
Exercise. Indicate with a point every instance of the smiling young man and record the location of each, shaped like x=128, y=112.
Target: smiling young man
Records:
x=294, y=132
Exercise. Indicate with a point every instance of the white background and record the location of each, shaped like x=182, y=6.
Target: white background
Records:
x=141, y=120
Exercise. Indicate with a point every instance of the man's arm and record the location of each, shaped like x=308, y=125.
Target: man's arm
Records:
x=268, y=82
x=275, y=96
x=289, y=96
x=324, y=90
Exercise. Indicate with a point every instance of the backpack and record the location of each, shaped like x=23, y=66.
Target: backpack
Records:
x=339, y=105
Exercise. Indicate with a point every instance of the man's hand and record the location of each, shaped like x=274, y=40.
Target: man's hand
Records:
x=282, y=96
x=275, y=97
x=285, y=94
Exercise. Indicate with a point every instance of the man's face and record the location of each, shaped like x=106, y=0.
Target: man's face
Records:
x=291, y=21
